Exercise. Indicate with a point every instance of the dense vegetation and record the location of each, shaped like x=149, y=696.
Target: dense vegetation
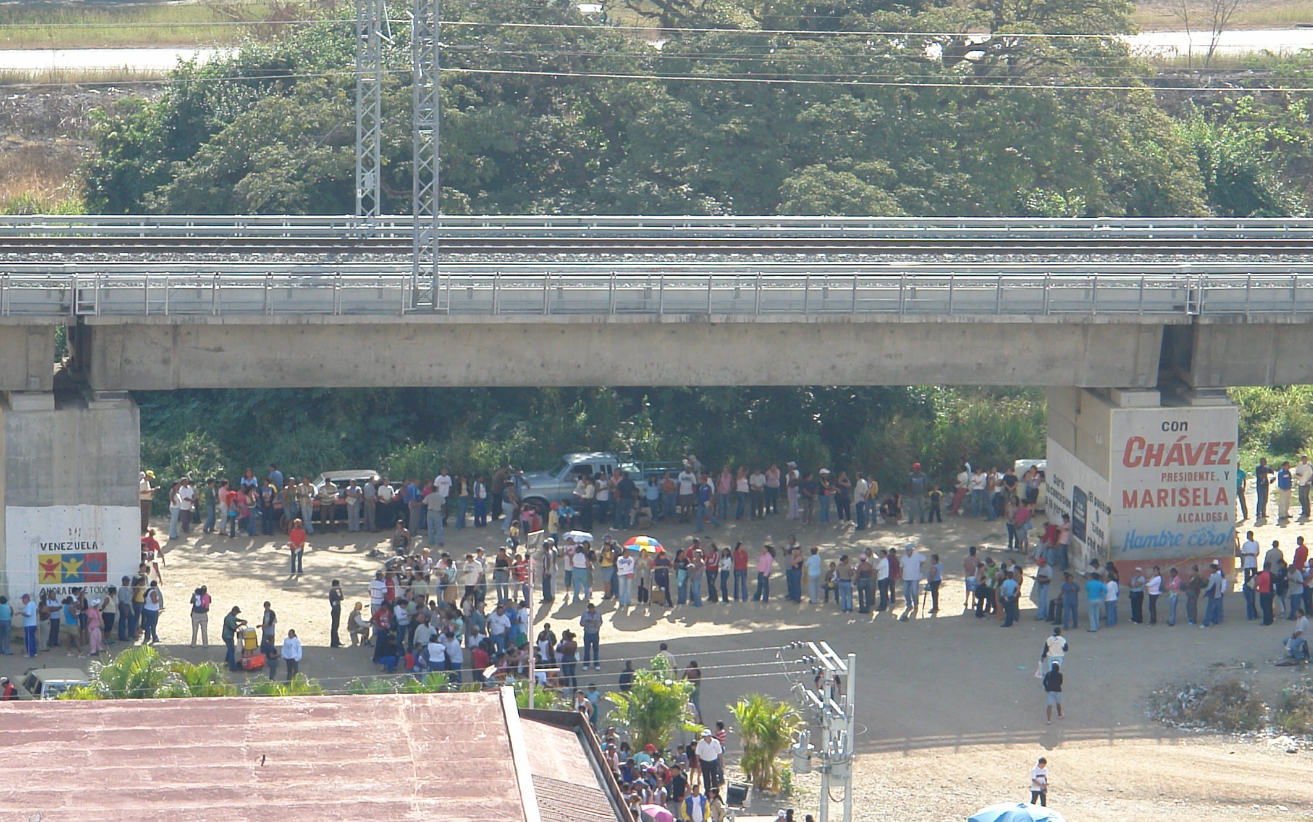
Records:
x=748, y=107
x=410, y=432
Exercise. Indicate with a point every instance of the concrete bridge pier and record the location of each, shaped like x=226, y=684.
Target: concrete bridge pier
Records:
x=1146, y=475
x=71, y=518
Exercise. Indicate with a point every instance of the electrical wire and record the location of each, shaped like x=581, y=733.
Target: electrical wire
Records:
x=966, y=85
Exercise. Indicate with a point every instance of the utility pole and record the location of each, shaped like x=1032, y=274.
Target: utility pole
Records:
x=371, y=32
x=832, y=705
x=425, y=30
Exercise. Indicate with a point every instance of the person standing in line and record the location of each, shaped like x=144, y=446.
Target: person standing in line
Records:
x=1154, y=588
x=1304, y=482
x=1137, y=596
x=970, y=567
x=1113, y=587
x=813, y=568
x=292, y=654
x=1194, y=587
x=1053, y=692
x=1009, y=594
x=1262, y=486
x=739, y=560
x=1285, y=482
x=1213, y=596
x=1240, y=488
x=29, y=614
x=1043, y=578
x=1265, y=587
x=335, y=597
x=1095, y=593
x=146, y=496
x=1039, y=783
x=150, y=612
x=765, y=564
x=1070, y=601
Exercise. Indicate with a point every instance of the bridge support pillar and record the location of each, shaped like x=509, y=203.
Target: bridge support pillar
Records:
x=71, y=517
x=1147, y=477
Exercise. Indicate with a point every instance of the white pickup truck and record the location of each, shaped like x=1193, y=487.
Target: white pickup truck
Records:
x=557, y=484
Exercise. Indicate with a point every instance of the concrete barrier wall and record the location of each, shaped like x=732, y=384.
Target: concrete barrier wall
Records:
x=579, y=351
x=27, y=357
x=1252, y=352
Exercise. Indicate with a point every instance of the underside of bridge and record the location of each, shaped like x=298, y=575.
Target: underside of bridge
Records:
x=1141, y=449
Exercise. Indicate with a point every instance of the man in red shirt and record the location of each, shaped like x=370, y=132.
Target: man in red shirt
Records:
x=1263, y=584
x=740, y=573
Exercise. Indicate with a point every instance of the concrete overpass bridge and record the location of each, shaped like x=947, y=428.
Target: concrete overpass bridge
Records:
x=1126, y=322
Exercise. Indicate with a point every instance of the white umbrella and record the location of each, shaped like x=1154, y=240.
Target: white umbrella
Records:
x=578, y=536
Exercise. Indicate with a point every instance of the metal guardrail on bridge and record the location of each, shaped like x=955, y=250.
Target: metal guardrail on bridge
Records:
x=60, y=297
x=399, y=227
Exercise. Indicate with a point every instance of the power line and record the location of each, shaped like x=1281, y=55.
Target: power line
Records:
x=966, y=85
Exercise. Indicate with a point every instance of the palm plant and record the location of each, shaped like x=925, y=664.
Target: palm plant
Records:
x=301, y=685
x=655, y=706
x=544, y=699
x=137, y=673
x=205, y=679
x=433, y=682
x=766, y=727
x=373, y=686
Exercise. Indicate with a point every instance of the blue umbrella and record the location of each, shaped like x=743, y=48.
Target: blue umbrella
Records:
x=1016, y=812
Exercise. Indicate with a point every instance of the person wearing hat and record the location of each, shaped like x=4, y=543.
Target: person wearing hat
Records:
x=146, y=495
x=230, y=625
x=710, y=755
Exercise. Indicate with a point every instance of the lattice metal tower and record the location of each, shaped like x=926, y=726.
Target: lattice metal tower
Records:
x=371, y=32
x=425, y=30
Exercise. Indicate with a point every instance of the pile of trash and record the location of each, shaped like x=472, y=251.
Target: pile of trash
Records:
x=1229, y=705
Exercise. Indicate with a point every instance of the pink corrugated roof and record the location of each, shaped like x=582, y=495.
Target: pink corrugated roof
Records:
x=318, y=759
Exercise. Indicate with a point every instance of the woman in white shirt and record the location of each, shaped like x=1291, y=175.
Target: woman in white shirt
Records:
x=1110, y=603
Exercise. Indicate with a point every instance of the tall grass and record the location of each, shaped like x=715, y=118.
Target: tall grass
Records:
x=39, y=179
x=45, y=24
x=1277, y=14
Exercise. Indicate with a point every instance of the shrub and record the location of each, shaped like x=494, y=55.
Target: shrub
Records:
x=1294, y=714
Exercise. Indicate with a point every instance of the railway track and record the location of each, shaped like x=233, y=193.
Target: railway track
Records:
x=610, y=245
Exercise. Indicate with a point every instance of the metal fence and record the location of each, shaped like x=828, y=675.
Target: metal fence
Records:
x=718, y=293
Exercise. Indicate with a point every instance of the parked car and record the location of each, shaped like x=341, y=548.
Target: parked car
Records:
x=557, y=484
x=49, y=683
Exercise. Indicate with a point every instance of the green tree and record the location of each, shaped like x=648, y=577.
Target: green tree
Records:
x=766, y=727
x=655, y=707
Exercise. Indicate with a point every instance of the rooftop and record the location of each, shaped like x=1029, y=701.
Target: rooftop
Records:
x=457, y=757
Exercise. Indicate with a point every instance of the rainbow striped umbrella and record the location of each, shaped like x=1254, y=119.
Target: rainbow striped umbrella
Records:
x=647, y=544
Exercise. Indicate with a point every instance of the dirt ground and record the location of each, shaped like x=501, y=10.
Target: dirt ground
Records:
x=951, y=716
